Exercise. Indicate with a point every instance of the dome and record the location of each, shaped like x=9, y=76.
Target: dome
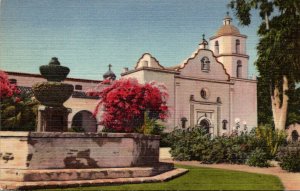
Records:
x=228, y=30
x=109, y=74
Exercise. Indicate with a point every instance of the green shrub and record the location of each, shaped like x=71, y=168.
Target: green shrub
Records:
x=289, y=158
x=258, y=158
x=271, y=139
x=165, y=139
x=194, y=144
x=187, y=144
x=151, y=126
x=181, y=144
x=238, y=148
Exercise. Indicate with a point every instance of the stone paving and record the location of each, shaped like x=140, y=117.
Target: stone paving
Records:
x=291, y=181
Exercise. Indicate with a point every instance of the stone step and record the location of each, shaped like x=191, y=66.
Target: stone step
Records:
x=12, y=185
x=82, y=174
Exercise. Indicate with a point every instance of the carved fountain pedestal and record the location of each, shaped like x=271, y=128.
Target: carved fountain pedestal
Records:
x=52, y=119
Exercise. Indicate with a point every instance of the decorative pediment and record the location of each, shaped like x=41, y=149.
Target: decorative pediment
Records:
x=203, y=64
x=147, y=60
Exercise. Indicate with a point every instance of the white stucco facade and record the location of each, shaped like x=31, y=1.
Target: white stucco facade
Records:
x=211, y=88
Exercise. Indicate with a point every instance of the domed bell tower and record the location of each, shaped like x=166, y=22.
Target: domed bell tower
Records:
x=229, y=46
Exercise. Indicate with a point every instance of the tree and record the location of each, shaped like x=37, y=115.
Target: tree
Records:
x=126, y=102
x=278, y=48
x=264, y=114
x=294, y=107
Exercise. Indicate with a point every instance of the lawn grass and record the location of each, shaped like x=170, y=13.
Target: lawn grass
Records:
x=199, y=178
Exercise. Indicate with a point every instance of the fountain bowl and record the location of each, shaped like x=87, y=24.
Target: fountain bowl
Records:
x=52, y=93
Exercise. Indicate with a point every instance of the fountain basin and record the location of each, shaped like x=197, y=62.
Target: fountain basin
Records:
x=68, y=150
x=52, y=93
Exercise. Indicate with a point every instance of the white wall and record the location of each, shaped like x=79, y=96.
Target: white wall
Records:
x=29, y=81
x=245, y=102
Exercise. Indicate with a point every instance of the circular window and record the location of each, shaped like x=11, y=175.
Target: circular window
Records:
x=204, y=93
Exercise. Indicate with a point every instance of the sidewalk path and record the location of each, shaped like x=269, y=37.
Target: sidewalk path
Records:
x=291, y=181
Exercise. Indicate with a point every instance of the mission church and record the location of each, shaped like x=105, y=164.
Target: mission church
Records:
x=210, y=89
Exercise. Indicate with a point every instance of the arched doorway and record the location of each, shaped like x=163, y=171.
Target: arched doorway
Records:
x=205, y=124
x=295, y=136
x=84, y=121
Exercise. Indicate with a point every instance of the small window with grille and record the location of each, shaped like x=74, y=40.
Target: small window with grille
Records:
x=13, y=81
x=78, y=87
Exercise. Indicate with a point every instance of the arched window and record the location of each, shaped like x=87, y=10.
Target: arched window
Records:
x=204, y=125
x=239, y=69
x=216, y=47
x=224, y=124
x=237, y=46
x=205, y=64
x=183, y=122
x=84, y=121
x=295, y=136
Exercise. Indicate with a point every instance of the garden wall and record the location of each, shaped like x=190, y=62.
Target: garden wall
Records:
x=56, y=150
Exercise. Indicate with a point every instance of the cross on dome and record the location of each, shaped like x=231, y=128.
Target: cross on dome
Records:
x=109, y=74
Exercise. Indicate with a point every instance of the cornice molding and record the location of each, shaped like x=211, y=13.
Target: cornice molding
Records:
x=192, y=100
x=150, y=69
x=40, y=76
x=233, y=54
x=243, y=80
x=237, y=35
x=203, y=79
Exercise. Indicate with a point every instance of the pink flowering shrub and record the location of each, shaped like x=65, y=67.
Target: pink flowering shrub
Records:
x=125, y=103
x=7, y=90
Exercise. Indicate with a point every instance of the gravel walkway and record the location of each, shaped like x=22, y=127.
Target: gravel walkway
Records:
x=291, y=181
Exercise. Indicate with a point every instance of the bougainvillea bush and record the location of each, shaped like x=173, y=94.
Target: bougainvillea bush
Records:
x=7, y=90
x=18, y=109
x=125, y=102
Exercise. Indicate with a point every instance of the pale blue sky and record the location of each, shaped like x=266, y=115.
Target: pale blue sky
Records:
x=87, y=35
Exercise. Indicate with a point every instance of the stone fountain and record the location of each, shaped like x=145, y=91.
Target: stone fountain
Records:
x=52, y=115
x=53, y=157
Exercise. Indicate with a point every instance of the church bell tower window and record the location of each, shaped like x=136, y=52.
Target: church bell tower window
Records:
x=237, y=46
x=216, y=47
x=205, y=64
x=239, y=69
